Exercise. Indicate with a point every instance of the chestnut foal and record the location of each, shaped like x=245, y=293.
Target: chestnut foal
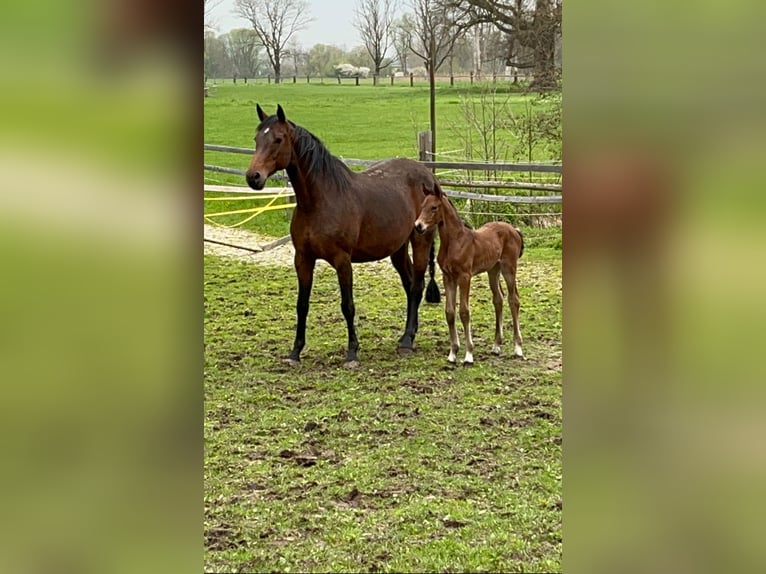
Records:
x=494, y=248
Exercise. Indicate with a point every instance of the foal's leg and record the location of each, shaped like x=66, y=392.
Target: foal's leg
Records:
x=509, y=273
x=346, y=282
x=450, y=292
x=464, y=283
x=497, y=301
x=304, y=268
x=403, y=265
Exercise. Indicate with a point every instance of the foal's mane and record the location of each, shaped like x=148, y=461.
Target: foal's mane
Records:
x=318, y=161
x=463, y=221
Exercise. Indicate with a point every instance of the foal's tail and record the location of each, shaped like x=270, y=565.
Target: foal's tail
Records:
x=521, y=252
x=432, y=291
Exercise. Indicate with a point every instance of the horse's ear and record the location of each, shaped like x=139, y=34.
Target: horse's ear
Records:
x=261, y=114
x=438, y=191
x=280, y=113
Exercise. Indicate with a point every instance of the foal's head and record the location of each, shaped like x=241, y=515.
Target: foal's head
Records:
x=273, y=147
x=431, y=211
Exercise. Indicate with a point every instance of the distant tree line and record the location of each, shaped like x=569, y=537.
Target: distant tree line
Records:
x=455, y=37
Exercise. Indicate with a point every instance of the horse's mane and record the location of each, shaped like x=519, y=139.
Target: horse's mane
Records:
x=318, y=160
x=463, y=221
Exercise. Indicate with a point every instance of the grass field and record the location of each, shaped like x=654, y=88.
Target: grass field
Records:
x=405, y=464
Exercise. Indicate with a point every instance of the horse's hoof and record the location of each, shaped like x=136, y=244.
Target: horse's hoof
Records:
x=292, y=362
x=351, y=365
x=468, y=363
x=404, y=351
x=495, y=350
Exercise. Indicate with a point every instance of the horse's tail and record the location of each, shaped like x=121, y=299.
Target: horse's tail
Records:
x=432, y=291
x=521, y=252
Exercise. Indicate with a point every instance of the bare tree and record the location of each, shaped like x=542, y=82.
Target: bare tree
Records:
x=403, y=33
x=532, y=24
x=275, y=22
x=375, y=21
x=243, y=46
x=438, y=25
x=209, y=6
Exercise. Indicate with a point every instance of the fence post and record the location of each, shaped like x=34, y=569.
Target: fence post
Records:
x=424, y=146
x=374, y=79
x=339, y=80
x=411, y=80
x=308, y=79
x=451, y=80
x=295, y=79
x=268, y=79
x=392, y=79
x=357, y=81
x=472, y=77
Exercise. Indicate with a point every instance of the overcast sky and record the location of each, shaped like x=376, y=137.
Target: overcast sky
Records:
x=333, y=23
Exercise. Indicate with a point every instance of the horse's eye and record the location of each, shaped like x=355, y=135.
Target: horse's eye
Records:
x=277, y=140
x=433, y=208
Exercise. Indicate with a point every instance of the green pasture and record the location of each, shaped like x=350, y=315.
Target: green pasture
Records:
x=406, y=464
x=357, y=122
x=403, y=465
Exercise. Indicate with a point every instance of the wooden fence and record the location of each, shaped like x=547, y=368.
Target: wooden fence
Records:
x=448, y=184
x=547, y=193
x=410, y=79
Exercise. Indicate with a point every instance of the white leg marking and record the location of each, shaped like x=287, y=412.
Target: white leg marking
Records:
x=452, y=358
x=495, y=349
x=517, y=351
x=468, y=358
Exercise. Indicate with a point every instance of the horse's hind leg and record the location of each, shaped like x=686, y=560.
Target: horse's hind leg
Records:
x=497, y=301
x=509, y=273
x=346, y=282
x=464, y=283
x=421, y=252
x=403, y=265
x=304, y=268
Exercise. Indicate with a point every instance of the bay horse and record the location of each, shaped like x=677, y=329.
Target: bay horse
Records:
x=344, y=217
x=494, y=248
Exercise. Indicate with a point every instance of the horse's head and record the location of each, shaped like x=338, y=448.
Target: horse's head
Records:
x=430, y=211
x=273, y=147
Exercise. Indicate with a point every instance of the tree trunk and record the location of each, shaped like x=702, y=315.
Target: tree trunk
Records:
x=544, y=24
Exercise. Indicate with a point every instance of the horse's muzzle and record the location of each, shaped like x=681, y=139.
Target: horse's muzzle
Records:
x=419, y=227
x=255, y=180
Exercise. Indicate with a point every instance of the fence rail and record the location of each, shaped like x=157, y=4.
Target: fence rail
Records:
x=446, y=183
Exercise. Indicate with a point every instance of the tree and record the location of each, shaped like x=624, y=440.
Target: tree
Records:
x=375, y=21
x=209, y=6
x=438, y=25
x=275, y=22
x=404, y=29
x=532, y=25
x=297, y=55
x=323, y=58
x=217, y=58
x=243, y=46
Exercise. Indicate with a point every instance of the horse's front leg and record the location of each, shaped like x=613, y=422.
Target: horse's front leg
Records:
x=346, y=283
x=304, y=268
x=464, y=284
x=450, y=296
